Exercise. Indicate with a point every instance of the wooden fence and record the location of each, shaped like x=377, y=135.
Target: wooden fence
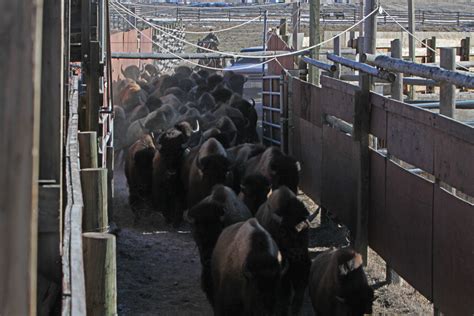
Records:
x=329, y=14
x=415, y=222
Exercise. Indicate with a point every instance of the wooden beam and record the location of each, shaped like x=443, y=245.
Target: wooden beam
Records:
x=52, y=98
x=314, y=38
x=447, y=92
x=397, y=85
x=382, y=74
x=88, y=149
x=100, y=268
x=431, y=72
x=20, y=65
x=94, y=189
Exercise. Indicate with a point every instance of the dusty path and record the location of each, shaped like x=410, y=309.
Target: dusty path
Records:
x=158, y=268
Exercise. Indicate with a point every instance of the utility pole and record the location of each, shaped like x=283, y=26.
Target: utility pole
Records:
x=295, y=23
x=411, y=40
x=314, y=38
x=370, y=28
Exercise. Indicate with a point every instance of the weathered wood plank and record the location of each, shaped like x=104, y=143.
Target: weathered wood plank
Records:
x=20, y=62
x=52, y=98
x=310, y=158
x=410, y=142
x=407, y=219
x=377, y=229
x=338, y=175
x=453, y=162
x=453, y=271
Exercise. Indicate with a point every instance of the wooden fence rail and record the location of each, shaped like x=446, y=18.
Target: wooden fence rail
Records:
x=416, y=223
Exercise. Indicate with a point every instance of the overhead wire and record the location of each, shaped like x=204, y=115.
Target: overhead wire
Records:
x=417, y=39
x=235, y=55
x=179, y=57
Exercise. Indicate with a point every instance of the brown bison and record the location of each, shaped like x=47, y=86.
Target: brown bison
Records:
x=282, y=215
x=139, y=167
x=205, y=166
x=168, y=190
x=338, y=284
x=278, y=167
x=209, y=217
x=246, y=271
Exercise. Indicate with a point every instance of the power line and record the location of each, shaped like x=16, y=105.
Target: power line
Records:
x=177, y=56
x=416, y=38
x=235, y=55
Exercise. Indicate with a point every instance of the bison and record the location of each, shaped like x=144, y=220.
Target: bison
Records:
x=168, y=189
x=338, y=284
x=206, y=166
x=209, y=217
x=282, y=215
x=278, y=167
x=246, y=271
x=254, y=191
x=138, y=169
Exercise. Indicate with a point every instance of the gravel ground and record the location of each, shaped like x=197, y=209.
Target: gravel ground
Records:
x=158, y=268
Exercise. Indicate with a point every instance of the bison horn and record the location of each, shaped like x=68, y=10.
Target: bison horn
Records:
x=123, y=72
x=197, y=127
x=253, y=102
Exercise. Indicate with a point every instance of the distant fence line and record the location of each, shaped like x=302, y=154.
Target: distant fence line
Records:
x=347, y=14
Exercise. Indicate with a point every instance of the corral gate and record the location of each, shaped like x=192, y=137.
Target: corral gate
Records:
x=274, y=112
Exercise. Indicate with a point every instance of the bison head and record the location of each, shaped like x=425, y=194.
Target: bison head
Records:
x=354, y=288
x=255, y=189
x=284, y=170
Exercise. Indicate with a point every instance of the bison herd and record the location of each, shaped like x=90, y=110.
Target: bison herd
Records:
x=190, y=147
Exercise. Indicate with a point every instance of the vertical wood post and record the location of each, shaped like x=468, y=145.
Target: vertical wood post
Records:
x=94, y=191
x=283, y=27
x=88, y=149
x=465, y=49
x=361, y=160
x=337, y=51
x=295, y=24
x=110, y=183
x=391, y=277
x=447, y=91
x=411, y=41
x=100, y=273
x=20, y=66
x=370, y=28
x=397, y=85
x=314, y=38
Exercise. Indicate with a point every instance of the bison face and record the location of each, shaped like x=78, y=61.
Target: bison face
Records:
x=262, y=273
x=356, y=292
x=255, y=189
x=215, y=170
x=284, y=170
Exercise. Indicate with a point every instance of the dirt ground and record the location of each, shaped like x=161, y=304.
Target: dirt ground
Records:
x=158, y=268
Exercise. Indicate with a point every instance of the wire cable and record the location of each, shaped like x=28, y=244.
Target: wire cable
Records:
x=416, y=38
x=234, y=55
x=179, y=57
